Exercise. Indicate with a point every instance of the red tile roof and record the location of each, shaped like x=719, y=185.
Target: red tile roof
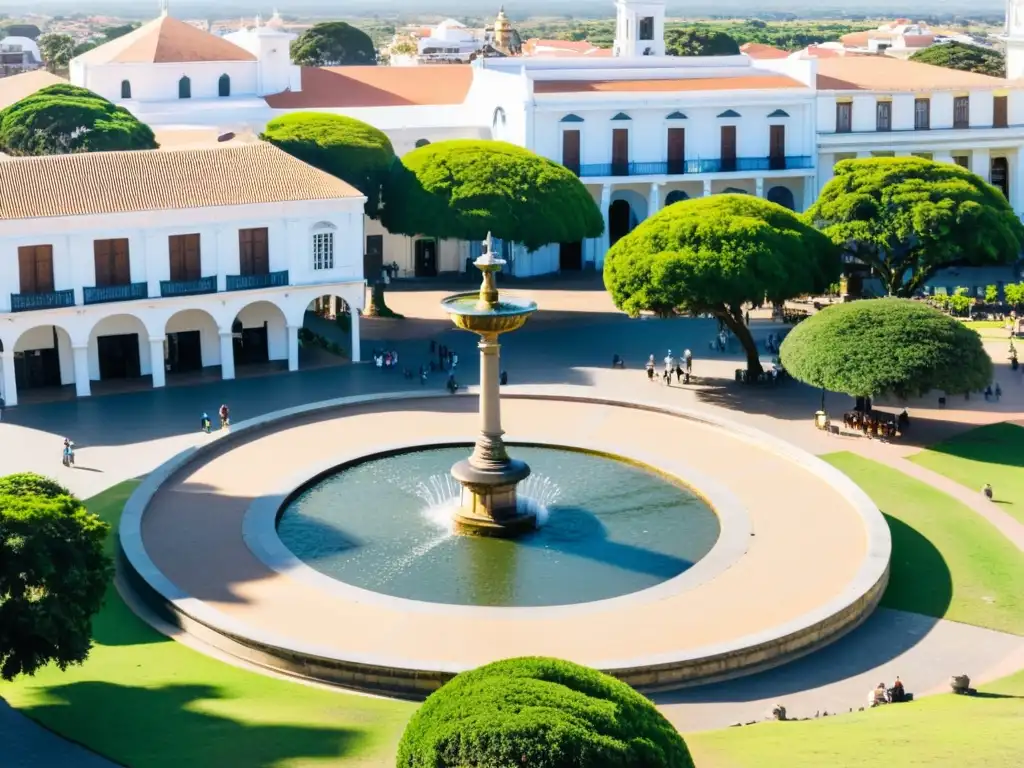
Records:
x=762, y=51
x=340, y=87
x=753, y=82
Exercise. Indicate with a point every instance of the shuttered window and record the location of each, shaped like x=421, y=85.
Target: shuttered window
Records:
x=35, y=268
x=253, y=251
x=112, y=264
x=186, y=261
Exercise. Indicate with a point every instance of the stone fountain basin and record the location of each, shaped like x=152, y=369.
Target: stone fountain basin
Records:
x=506, y=315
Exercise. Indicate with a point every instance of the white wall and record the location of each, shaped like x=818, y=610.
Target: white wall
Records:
x=159, y=82
x=864, y=105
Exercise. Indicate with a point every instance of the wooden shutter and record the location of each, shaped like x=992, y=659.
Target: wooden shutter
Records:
x=620, y=152
x=176, y=256
x=192, y=257
x=1000, y=117
x=245, y=252
x=571, y=150
x=44, y=268
x=103, y=261
x=121, y=270
x=777, y=141
x=27, y=268
x=676, y=150
x=261, y=252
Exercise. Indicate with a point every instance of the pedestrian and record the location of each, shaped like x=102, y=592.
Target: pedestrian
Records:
x=455, y=360
x=670, y=365
x=688, y=359
x=378, y=360
x=649, y=366
x=225, y=416
x=204, y=424
x=999, y=393
x=503, y=379
x=394, y=357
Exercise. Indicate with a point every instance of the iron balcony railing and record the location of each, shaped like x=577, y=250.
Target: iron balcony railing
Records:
x=129, y=292
x=686, y=167
x=26, y=302
x=252, y=282
x=188, y=287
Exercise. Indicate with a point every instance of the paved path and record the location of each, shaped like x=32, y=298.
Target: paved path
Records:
x=570, y=341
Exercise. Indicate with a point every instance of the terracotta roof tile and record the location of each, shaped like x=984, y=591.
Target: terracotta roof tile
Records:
x=165, y=40
x=94, y=183
x=340, y=87
x=884, y=73
x=856, y=39
x=17, y=87
x=762, y=51
x=753, y=82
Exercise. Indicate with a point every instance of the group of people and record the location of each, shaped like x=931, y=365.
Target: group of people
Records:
x=877, y=424
x=991, y=393
x=385, y=358
x=882, y=695
x=222, y=413
x=681, y=367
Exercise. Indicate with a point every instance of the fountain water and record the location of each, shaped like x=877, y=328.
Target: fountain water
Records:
x=489, y=503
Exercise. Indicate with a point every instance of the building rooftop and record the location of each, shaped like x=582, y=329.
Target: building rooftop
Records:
x=353, y=87
x=762, y=51
x=744, y=83
x=17, y=87
x=884, y=73
x=165, y=40
x=92, y=183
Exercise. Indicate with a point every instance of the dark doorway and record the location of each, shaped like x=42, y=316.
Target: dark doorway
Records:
x=37, y=368
x=676, y=151
x=184, y=352
x=783, y=196
x=571, y=150
x=620, y=152
x=619, y=216
x=373, y=258
x=1001, y=175
x=119, y=356
x=251, y=345
x=570, y=256
x=426, y=258
x=777, y=147
x=728, y=148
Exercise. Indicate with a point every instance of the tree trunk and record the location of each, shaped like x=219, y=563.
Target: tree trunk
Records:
x=735, y=324
x=377, y=307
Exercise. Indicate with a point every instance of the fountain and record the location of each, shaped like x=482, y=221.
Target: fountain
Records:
x=488, y=503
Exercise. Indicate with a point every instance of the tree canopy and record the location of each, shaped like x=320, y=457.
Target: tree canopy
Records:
x=342, y=146
x=715, y=254
x=966, y=58
x=699, y=41
x=886, y=347
x=466, y=188
x=333, y=44
x=63, y=118
x=907, y=218
x=542, y=713
x=56, y=50
x=53, y=575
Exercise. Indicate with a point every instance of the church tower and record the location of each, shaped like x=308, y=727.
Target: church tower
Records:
x=640, y=27
x=502, y=31
x=1014, y=39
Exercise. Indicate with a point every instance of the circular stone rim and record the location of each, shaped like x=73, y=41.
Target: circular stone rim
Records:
x=259, y=532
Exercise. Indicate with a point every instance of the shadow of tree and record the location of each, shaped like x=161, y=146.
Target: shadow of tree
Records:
x=173, y=726
x=919, y=579
x=1001, y=443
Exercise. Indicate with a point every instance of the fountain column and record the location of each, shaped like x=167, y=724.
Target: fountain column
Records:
x=490, y=448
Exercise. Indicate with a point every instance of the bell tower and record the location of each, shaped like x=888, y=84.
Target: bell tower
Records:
x=640, y=27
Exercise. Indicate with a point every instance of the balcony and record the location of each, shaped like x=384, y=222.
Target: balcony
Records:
x=26, y=302
x=689, y=167
x=253, y=282
x=108, y=293
x=170, y=288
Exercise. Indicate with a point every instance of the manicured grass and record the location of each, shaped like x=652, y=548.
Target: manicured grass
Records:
x=978, y=324
x=947, y=561
x=148, y=702
x=992, y=454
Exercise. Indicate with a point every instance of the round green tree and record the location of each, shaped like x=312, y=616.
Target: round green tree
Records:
x=965, y=57
x=542, y=713
x=53, y=575
x=699, y=41
x=715, y=254
x=886, y=347
x=342, y=146
x=466, y=188
x=63, y=118
x=907, y=218
x=333, y=44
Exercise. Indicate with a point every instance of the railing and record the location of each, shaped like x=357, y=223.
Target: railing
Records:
x=129, y=292
x=188, y=287
x=26, y=302
x=685, y=167
x=252, y=282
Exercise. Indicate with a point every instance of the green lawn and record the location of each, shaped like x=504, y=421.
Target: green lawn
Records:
x=992, y=454
x=148, y=702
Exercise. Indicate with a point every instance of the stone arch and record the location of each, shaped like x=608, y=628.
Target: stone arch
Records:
x=782, y=196
x=184, y=87
x=498, y=122
x=627, y=209
x=126, y=89
x=676, y=196
x=43, y=357
x=119, y=347
x=259, y=331
x=191, y=340
x=224, y=86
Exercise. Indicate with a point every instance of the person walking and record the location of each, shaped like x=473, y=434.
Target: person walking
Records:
x=225, y=416
x=688, y=359
x=649, y=367
x=670, y=366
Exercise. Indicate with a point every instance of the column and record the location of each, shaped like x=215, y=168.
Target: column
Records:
x=707, y=187
x=606, y=203
x=759, y=186
x=490, y=402
x=654, y=200
x=82, y=384
x=157, y=361
x=10, y=383
x=1015, y=171
x=227, y=355
x=356, y=340
x=981, y=163
x=826, y=169
x=942, y=157
x=333, y=307
x=293, y=347
x=809, y=192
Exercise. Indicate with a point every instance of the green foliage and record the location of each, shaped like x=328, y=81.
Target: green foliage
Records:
x=542, y=713
x=716, y=254
x=966, y=58
x=699, y=41
x=886, y=346
x=991, y=294
x=960, y=303
x=1014, y=294
x=341, y=146
x=64, y=118
x=333, y=44
x=56, y=50
x=907, y=218
x=466, y=188
x=53, y=575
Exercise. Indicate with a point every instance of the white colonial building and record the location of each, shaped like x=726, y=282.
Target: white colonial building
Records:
x=155, y=263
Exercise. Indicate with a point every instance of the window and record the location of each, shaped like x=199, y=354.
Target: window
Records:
x=728, y=152
x=620, y=152
x=253, y=251
x=1000, y=116
x=126, y=89
x=323, y=246
x=961, y=112
x=185, y=259
x=844, y=117
x=35, y=268
x=571, y=150
x=922, y=114
x=676, y=150
x=184, y=88
x=883, y=116
x=224, y=86
x=777, y=147
x=960, y=160
x=647, y=28
x=111, y=261
x=1000, y=170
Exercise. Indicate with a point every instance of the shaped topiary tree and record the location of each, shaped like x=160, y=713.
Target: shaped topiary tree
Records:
x=541, y=713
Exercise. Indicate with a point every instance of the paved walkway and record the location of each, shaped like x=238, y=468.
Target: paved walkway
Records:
x=570, y=341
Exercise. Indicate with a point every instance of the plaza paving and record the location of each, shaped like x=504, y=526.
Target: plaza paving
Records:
x=571, y=341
